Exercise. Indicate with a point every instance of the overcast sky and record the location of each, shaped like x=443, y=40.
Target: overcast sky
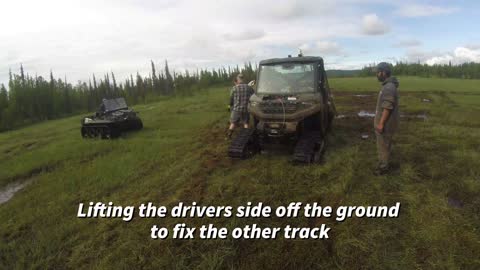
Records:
x=76, y=38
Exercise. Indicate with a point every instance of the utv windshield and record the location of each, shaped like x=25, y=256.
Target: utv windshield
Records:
x=288, y=78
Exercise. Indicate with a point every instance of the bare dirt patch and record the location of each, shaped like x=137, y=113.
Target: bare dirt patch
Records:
x=213, y=155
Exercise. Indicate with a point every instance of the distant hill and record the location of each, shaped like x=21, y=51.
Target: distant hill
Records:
x=343, y=73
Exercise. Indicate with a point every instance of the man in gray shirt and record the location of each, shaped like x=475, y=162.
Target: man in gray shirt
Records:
x=387, y=116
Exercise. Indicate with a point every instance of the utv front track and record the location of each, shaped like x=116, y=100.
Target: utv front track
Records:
x=244, y=145
x=309, y=148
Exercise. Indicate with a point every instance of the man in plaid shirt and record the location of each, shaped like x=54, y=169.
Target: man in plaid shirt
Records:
x=239, y=97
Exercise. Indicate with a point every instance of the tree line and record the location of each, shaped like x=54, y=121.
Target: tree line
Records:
x=462, y=71
x=31, y=99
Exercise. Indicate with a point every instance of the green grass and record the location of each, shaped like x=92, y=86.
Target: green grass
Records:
x=181, y=156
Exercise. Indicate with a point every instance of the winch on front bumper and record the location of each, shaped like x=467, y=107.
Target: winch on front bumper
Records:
x=277, y=129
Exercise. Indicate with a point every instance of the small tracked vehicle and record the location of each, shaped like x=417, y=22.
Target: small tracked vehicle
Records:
x=113, y=118
x=293, y=105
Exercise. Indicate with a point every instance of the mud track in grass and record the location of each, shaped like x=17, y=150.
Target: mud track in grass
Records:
x=213, y=155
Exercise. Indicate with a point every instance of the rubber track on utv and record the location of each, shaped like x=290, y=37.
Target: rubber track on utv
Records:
x=102, y=131
x=244, y=145
x=306, y=147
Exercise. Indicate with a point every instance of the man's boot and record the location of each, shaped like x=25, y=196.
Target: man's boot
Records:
x=381, y=169
x=229, y=133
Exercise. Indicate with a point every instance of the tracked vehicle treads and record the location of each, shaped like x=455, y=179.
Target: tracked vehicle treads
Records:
x=292, y=104
x=113, y=118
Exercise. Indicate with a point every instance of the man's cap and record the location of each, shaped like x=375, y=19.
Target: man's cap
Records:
x=383, y=66
x=240, y=77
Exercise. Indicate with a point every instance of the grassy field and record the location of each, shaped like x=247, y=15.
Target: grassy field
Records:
x=181, y=156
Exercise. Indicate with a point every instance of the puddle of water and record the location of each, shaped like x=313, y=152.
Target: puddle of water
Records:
x=366, y=114
x=365, y=136
x=7, y=192
x=426, y=100
x=362, y=95
x=422, y=116
x=418, y=116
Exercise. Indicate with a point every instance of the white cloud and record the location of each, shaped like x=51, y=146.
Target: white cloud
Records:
x=344, y=65
x=322, y=48
x=467, y=54
x=76, y=38
x=459, y=56
x=124, y=35
x=421, y=10
x=249, y=34
x=418, y=55
x=373, y=25
x=405, y=43
x=473, y=46
x=289, y=10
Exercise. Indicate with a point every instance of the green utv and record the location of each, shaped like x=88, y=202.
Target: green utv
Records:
x=292, y=103
x=111, y=120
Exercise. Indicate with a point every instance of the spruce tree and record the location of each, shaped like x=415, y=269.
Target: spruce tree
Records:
x=115, y=88
x=169, y=87
x=3, y=97
x=155, y=82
